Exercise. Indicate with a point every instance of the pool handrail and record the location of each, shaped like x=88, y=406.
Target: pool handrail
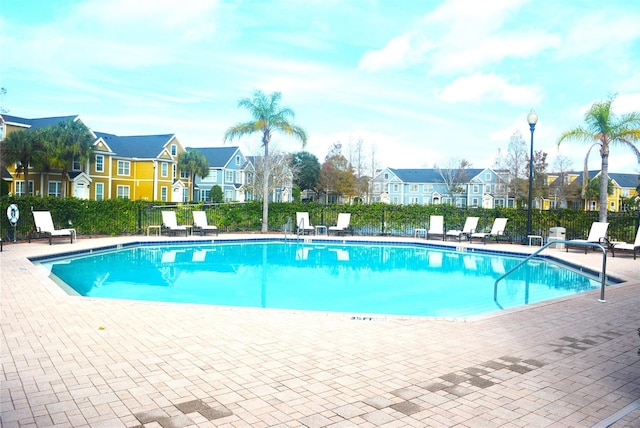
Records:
x=603, y=274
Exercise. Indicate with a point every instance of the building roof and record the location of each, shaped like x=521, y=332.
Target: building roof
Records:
x=218, y=157
x=625, y=180
x=37, y=123
x=427, y=175
x=136, y=146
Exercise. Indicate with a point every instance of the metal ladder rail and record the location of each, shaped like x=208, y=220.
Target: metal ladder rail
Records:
x=603, y=274
x=300, y=226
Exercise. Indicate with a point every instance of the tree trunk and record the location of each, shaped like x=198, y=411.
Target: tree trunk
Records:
x=265, y=190
x=604, y=184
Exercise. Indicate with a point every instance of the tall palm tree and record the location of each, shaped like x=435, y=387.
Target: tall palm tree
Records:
x=267, y=117
x=22, y=147
x=605, y=129
x=65, y=142
x=194, y=162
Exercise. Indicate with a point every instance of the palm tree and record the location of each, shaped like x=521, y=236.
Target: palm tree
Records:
x=23, y=147
x=268, y=117
x=65, y=142
x=194, y=162
x=604, y=129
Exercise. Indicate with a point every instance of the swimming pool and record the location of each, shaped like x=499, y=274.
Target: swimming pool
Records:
x=392, y=279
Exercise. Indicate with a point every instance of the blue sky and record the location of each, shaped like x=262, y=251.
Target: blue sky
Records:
x=419, y=82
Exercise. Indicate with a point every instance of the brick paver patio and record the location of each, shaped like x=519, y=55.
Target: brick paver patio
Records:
x=69, y=361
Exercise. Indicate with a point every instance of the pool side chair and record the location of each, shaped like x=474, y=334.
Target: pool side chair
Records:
x=201, y=225
x=469, y=227
x=624, y=246
x=303, y=227
x=497, y=231
x=44, y=228
x=342, y=225
x=436, y=226
x=597, y=235
x=170, y=224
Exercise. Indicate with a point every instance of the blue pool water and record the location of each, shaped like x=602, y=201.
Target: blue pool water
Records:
x=366, y=279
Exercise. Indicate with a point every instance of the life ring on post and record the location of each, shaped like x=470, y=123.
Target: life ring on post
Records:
x=13, y=214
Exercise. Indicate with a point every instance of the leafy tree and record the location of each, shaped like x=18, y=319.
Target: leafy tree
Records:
x=196, y=163
x=337, y=175
x=267, y=117
x=605, y=129
x=65, y=142
x=23, y=147
x=539, y=173
x=216, y=194
x=455, y=176
x=308, y=170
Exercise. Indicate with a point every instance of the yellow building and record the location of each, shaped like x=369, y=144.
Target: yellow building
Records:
x=565, y=191
x=132, y=167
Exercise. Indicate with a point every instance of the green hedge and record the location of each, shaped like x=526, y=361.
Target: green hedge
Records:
x=125, y=217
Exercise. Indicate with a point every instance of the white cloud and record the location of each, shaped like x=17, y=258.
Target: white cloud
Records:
x=480, y=87
x=626, y=103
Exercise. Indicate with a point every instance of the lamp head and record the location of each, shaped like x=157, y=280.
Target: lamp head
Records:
x=532, y=117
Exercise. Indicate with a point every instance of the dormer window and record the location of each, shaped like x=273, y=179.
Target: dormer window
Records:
x=174, y=150
x=238, y=160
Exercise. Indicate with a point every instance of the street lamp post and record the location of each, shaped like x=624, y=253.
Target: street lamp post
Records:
x=532, y=118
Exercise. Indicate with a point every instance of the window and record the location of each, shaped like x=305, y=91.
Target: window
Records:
x=228, y=177
x=123, y=167
x=476, y=188
x=612, y=206
x=376, y=187
x=413, y=188
x=592, y=205
x=184, y=174
x=204, y=195
x=164, y=169
x=238, y=160
x=20, y=188
x=75, y=164
x=173, y=171
x=396, y=187
x=208, y=178
x=488, y=188
x=474, y=202
x=228, y=195
x=565, y=179
x=99, y=191
x=386, y=176
x=395, y=200
x=164, y=192
x=413, y=200
x=487, y=176
x=174, y=150
x=122, y=192
x=99, y=163
x=185, y=194
x=54, y=188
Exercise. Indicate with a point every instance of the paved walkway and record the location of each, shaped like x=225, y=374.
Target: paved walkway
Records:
x=72, y=362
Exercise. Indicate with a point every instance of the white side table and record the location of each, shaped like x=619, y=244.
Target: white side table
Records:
x=535, y=237
x=321, y=230
x=417, y=232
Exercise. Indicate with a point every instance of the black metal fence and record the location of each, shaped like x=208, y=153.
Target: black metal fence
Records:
x=122, y=217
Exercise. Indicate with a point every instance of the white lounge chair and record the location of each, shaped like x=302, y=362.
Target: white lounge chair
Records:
x=436, y=226
x=170, y=224
x=45, y=228
x=302, y=223
x=597, y=235
x=623, y=246
x=497, y=230
x=201, y=225
x=342, y=226
x=469, y=227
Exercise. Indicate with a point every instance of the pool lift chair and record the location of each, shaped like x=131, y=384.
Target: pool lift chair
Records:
x=170, y=224
x=45, y=228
